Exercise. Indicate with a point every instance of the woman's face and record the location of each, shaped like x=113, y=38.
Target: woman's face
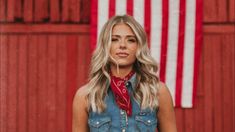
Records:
x=123, y=45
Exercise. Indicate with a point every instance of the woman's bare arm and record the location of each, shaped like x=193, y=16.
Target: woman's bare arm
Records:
x=80, y=113
x=166, y=114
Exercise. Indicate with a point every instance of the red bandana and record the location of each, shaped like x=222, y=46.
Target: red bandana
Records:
x=121, y=94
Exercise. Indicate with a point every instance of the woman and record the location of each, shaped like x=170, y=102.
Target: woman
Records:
x=123, y=92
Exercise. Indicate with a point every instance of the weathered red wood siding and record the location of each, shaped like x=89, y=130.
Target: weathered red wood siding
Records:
x=45, y=56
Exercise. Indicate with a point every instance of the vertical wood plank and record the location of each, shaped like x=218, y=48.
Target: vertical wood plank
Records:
x=189, y=120
x=71, y=72
x=179, y=119
x=51, y=87
x=2, y=10
x=75, y=10
x=217, y=84
x=65, y=10
x=233, y=78
x=18, y=9
x=199, y=105
x=222, y=11
x=41, y=10
x=88, y=55
x=61, y=84
x=28, y=10
x=3, y=82
x=54, y=11
x=82, y=58
x=231, y=11
x=42, y=85
x=12, y=84
x=85, y=11
x=228, y=81
x=32, y=84
x=10, y=10
x=22, y=81
x=208, y=108
x=209, y=11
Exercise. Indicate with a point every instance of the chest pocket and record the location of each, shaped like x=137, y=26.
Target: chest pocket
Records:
x=146, y=122
x=99, y=124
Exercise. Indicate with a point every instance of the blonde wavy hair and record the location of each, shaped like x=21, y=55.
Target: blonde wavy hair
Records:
x=145, y=67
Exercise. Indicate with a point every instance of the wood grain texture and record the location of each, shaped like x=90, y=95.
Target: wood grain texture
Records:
x=208, y=108
x=42, y=78
x=12, y=84
x=217, y=85
x=22, y=83
x=231, y=5
x=3, y=82
x=41, y=11
x=74, y=6
x=61, y=84
x=10, y=10
x=18, y=9
x=32, y=91
x=65, y=10
x=228, y=56
x=51, y=83
x=2, y=10
x=28, y=11
x=54, y=10
x=44, y=28
x=71, y=71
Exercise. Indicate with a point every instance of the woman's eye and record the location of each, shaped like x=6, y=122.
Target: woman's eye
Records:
x=132, y=40
x=114, y=39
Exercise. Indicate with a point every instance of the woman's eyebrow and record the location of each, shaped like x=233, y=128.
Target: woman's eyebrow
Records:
x=124, y=36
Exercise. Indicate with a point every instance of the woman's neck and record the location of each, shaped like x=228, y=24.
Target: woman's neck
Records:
x=122, y=72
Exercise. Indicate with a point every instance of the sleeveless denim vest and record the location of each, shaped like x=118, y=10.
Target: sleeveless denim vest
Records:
x=114, y=119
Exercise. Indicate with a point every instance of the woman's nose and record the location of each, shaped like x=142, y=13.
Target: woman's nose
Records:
x=122, y=44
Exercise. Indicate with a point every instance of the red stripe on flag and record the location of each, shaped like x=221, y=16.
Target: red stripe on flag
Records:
x=198, y=45
x=180, y=54
x=164, y=41
x=147, y=19
x=129, y=7
x=94, y=23
x=112, y=4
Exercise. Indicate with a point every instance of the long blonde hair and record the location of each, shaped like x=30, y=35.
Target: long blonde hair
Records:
x=145, y=67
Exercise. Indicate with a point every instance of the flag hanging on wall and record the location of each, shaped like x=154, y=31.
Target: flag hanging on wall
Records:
x=174, y=33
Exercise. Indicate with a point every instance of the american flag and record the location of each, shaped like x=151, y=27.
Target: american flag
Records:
x=174, y=32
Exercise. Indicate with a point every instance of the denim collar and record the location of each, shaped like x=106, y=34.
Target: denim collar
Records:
x=133, y=82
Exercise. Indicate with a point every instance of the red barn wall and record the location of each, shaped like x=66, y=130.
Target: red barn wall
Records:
x=45, y=57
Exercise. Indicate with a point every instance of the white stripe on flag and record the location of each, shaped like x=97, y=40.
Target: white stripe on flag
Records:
x=120, y=7
x=103, y=14
x=156, y=24
x=172, y=47
x=138, y=11
x=188, y=66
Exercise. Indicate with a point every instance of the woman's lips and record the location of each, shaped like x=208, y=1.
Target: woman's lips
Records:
x=122, y=54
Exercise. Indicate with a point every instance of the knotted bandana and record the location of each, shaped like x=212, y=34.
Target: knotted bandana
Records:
x=120, y=91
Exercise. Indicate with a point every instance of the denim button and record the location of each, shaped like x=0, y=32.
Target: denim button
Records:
x=122, y=112
x=123, y=130
x=127, y=84
x=149, y=121
x=97, y=122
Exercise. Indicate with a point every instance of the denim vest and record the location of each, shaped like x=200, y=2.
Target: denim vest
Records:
x=114, y=119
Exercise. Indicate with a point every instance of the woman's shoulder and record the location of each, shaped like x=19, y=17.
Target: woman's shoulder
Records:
x=164, y=96
x=80, y=96
x=81, y=91
x=162, y=87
